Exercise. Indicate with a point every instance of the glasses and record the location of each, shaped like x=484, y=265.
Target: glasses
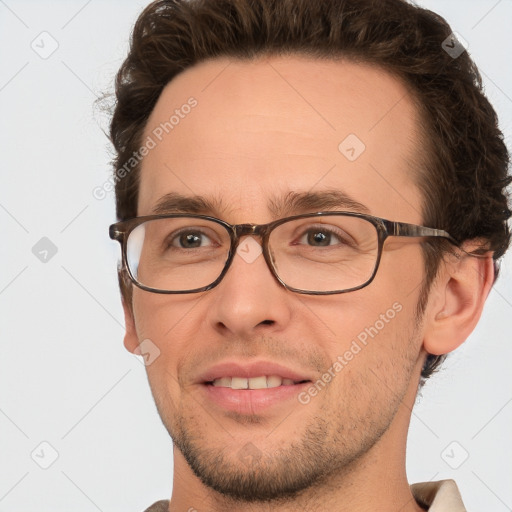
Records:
x=316, y=253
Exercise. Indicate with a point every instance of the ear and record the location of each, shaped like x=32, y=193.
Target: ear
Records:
x=131, y=341
x=456, y=300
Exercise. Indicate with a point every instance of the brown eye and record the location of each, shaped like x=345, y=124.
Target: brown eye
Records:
x=189, y=240
x=318, y=238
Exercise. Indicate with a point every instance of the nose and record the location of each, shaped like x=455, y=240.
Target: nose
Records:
x=249, y=300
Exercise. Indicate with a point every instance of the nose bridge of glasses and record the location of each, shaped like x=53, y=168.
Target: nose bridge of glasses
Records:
x=249, y=229
x=258, y=230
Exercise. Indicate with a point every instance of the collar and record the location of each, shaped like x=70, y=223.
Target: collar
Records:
x=441, y=496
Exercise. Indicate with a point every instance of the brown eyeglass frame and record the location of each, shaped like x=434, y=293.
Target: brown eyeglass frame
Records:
x=120, y=231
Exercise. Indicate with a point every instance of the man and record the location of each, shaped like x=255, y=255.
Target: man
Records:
x=311, y=204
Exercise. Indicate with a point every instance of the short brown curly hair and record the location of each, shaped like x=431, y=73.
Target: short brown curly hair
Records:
x=465, y=163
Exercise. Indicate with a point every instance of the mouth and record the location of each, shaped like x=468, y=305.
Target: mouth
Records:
x=253, y=387
x=266, y=394
x=261, y=382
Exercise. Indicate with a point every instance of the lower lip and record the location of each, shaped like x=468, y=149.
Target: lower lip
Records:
x=252, y=401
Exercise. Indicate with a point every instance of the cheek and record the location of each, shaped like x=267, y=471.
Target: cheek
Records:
x=171, y=324
x=161, y=317
x=383, y=309
x=373, y=365
x=373, y=329
x=166, y=321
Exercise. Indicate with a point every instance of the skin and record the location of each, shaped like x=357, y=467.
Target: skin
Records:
x=260, y=130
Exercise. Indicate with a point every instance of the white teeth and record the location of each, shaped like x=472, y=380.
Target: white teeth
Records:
x=224, y=382
x=273, y=381
x=239, y=383
x=258, y=383
x=263, y=382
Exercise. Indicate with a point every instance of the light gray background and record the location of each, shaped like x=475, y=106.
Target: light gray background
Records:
x=65, y=378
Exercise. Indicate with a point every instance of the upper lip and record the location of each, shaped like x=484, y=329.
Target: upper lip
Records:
x=248, y=370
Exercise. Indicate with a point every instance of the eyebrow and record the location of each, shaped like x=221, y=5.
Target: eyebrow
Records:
x=309, y=202
x=178, y=203
x=292, y=203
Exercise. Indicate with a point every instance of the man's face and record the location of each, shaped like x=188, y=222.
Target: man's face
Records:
x=259, y=132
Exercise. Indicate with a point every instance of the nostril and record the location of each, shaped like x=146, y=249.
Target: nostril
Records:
x=267, y=322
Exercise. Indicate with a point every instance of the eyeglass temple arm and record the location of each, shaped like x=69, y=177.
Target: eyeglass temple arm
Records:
x=412, y=230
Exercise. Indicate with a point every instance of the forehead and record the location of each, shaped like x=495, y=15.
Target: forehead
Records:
x=244, y=133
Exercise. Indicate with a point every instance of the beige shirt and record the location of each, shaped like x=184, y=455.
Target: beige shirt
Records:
x=441, y=496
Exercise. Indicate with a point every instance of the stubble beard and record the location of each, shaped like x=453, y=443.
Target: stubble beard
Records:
x=331, y=445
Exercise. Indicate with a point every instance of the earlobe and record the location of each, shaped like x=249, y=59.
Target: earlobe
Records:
x=131, y=341
x=457, y=300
